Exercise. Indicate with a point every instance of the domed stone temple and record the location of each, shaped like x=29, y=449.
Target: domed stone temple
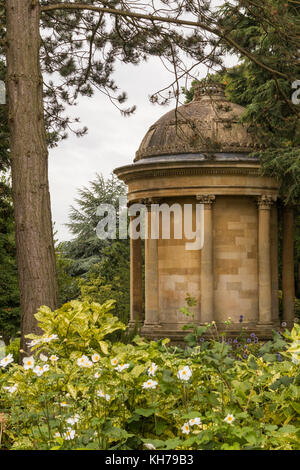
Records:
x=198, y=156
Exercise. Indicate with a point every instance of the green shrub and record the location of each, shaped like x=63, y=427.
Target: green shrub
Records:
x=80, y=391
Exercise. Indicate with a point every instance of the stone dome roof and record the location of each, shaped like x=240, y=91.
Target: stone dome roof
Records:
x=208, y=124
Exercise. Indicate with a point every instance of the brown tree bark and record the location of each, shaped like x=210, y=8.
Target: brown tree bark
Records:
x=29, y=162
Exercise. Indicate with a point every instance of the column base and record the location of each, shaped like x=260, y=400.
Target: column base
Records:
x=132, y=325
x=151, y=326
x=263, y=331
x=265, y=326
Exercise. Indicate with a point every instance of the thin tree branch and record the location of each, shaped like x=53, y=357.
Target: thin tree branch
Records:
x=91, y=48
x=197, y=24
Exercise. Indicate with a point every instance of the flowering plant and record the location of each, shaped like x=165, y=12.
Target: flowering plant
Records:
x=78, y=390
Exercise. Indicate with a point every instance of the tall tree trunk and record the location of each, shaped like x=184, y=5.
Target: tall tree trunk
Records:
x=29, y=161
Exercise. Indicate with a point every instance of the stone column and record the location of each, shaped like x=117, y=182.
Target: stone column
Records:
x=136, y=280
x=288, y=282
x=207, y=268
x=264, y=260
x=151, y=272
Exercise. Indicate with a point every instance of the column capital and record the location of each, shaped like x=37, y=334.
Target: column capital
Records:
x=207, y=199
x=265, y=201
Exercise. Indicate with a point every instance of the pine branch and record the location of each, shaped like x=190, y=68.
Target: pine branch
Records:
x=91, y=48
x=197, y=24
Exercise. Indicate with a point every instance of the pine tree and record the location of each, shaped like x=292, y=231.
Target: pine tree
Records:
x=86, y=248
x=100, y=268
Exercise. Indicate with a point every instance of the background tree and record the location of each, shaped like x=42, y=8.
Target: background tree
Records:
x=86, y=248
x=110, y=280
x=270, y=30
x=96, y=270
x=9, y=291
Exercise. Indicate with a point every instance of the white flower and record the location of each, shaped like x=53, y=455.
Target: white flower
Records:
x=11, y=388
x=53, y=337
x=229, y=419
x=43, y=357
x=53, y=358
x=150, y=384
x=194, y=421
x=69, y=434
x=73, y=420
x=64, y=404
x=185, y=429
x=101, y=394
x=46, y=367
x=122, y=367
x=185, y=373
x=34, y=342
x=38, y=370
x=28, y=363
x=149, y=446
x=152, y=369
x=96, y=357
x=84, y=361
x=49, y=338
x=6, y=360
x=97, y=374
x=114, y=361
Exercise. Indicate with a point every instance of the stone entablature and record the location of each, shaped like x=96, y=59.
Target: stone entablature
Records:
x=190, y=178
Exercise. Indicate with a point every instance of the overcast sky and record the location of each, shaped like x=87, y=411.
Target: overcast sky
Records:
x=112, y=139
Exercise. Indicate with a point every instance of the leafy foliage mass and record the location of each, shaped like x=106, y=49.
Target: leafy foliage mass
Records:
x=9, y=291
x=81, y=391
x=90, y=268
x=85, y=248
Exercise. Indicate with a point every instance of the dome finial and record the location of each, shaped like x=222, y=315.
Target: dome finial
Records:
x=208, y=89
